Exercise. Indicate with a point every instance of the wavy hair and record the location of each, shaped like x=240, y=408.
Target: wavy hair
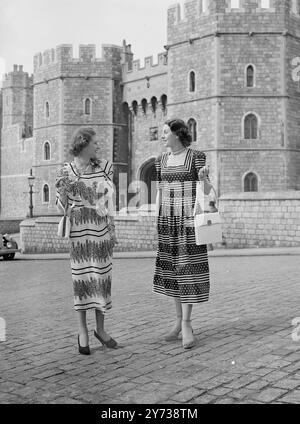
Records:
x=81, y=139
x=179, y=127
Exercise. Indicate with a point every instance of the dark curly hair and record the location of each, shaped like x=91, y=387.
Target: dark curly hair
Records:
x=179, y=127
x=81, y=139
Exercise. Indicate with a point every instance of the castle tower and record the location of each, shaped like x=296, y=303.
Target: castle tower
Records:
x=68, y=93
x=16, y=143
x=230, y=69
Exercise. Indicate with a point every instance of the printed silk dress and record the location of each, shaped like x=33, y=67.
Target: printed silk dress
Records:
x=89, y=200
x=181, y=268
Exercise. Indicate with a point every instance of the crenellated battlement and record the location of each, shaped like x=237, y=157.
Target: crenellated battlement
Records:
x=149, y=64
x=17, y=77
x=63, y=54
x=194, y=9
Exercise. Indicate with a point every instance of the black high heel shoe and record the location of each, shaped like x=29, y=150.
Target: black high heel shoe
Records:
x=111, y=343
x=83, y=350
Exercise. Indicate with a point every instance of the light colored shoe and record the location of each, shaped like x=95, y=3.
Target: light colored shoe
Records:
x=174, y=334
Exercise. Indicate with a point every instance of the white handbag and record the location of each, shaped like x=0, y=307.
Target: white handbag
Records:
x=208, y=225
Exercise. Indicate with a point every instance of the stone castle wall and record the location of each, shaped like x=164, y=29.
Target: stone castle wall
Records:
x=39, y=235
x=261, y=219
x=16, y=161
x=249, y=220
x=65, y=83
x=146, y=82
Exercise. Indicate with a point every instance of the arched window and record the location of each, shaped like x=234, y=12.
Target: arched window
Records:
x=250, y=76
x=154, y=104
x=163, y=100
x=46, y=196
x=192, y=125
x=250, y=127
x=192, y=81
x=144, y=106
x=47, y=151
x=87, y=106
x=134, y=106
x=250, y=182
x=47, y=110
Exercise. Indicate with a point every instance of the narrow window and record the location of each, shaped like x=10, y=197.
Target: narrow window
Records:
x=153, y=133
x=134, y=106
x=154, y=104
x=250, y=182
x=250, y=76
x=47, y=151
x=47, y=110
x=192, y=125
x=144, y=106
x=163, y=100
x=250, y=126
x=192, y=81
x=87, y=107
x=46, y=193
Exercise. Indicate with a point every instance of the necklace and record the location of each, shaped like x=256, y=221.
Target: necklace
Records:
x=177, y=152
x=81, y=169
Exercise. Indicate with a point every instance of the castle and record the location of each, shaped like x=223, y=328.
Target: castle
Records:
x=226, y=70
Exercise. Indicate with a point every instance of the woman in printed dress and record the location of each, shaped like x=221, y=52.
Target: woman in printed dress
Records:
x=84, y=193
x=181, y=269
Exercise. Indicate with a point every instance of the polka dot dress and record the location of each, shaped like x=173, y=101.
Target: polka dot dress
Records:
x=181, y=268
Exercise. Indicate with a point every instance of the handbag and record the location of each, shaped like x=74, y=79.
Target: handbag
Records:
x=208, y=225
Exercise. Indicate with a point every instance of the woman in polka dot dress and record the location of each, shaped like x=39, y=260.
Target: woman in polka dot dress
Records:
x=181, y=269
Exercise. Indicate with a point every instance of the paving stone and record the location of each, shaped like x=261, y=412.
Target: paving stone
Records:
x=287, y=383
x=291, y=397
x=269, y=395
x=244, y=353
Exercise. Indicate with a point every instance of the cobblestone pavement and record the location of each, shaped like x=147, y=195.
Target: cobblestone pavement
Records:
x=245, y=351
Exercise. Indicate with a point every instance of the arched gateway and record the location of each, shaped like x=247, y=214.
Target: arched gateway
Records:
x=148, y=176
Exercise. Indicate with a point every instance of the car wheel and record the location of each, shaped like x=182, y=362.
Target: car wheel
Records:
x=9, y=257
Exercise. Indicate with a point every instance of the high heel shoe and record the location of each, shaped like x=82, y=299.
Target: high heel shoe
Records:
x=83, y=350
x=191, y=343
x=111, y=343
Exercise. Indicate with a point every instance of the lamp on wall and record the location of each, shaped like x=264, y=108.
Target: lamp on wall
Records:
x=31, y=179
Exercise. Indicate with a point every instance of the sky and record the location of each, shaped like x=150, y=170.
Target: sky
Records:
x=30, y=26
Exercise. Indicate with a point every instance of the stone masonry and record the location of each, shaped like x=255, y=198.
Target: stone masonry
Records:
x=129, y=104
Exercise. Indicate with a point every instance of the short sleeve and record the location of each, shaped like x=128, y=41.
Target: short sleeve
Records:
x=108, y=169
x=157, y=164
x=200, y=160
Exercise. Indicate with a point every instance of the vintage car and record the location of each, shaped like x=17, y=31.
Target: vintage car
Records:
x=8, y=247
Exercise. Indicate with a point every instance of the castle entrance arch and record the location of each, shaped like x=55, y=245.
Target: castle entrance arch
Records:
x=148, y=176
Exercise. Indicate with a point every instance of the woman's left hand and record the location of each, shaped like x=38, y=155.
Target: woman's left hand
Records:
x=114, y=238
x=203, y=173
